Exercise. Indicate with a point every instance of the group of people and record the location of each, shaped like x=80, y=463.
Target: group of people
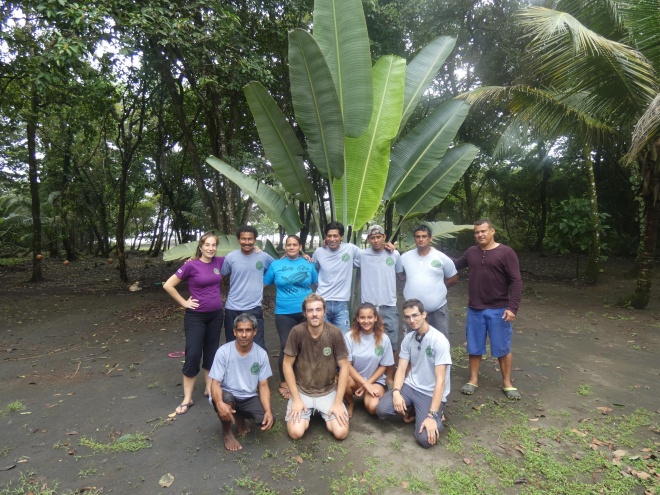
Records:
x=326, y=359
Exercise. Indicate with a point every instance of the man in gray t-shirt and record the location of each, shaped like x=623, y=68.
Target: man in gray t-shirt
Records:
x=378, y=271
x=245, y=268
x=426, y=387
x=239, y=387
x=334, y=262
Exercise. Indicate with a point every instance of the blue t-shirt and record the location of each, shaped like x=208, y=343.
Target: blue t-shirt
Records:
x=293, y=280
x=246, y=288
x=203, y=283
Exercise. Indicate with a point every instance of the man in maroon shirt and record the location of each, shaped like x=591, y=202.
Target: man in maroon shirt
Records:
x=494, y=293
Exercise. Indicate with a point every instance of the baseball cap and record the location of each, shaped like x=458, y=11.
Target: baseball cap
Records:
x=375, y=229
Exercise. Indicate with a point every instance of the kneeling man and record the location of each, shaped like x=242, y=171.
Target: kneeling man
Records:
x=239, y=389
x=317, y=348
x=427, y=385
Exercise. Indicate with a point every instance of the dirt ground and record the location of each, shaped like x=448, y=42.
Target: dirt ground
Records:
x=87, y=387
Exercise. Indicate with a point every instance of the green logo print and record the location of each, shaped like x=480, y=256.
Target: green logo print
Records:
x=260, y=265
x=429, y=351
x=327, y=351
x=255, y=368
x=436, y=264
x=389, y=261
x=379, y=350
x=345, y=257
x=216, y=271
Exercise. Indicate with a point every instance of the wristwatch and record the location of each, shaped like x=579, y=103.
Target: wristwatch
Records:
x=433, y=414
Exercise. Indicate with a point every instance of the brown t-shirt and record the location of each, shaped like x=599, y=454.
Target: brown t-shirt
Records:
x=316, y=359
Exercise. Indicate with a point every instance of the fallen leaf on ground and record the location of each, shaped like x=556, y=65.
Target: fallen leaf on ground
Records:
x=641, y=475
x=7, y=468
x=21, y=461
x=404, y=485
x=605, y=410
x=73, y=432
x=619, y=453
x=579, y=433
x=166, y=480
x=533, y=419
x=299, y=459
x=520, y=481
x=467, y=461
x=171, y=415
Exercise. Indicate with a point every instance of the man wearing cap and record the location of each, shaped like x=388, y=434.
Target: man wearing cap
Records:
x=379, y=268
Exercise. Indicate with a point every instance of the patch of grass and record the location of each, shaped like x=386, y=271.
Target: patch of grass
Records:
x=12, y=261
x=125, y=443
x=29, y=484
x=287, y=470
x=414, y=485
x=255, y=487
x=396, y=444
x=152, y=385
x=84, y=473
x=365, y=483
x=16, y=406
x=276, y=429
x=5, y=451
x=454, y=482
x=585, y=390
x=299, y=490
x=454, y=442
x=459, y=356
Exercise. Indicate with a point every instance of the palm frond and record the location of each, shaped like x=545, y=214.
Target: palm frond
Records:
x=646, y=130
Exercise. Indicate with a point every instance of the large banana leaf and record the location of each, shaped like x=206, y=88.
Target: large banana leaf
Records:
x=226, y=244
x=281, y=145
x=359, y=192
x=435, y=187
x=441, y=230
x=316, y=104
x=422, y=70
x=341, y=32
x=419, y=151
x=274, y=205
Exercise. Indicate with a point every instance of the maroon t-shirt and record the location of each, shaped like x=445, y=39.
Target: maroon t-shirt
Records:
x=494, y=279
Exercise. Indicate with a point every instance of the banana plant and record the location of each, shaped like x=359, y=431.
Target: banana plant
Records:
x=352, y=116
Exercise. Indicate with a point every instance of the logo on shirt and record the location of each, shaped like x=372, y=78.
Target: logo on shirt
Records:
x=260, y=265
x=345, y=257
x=429, y=351
x=389, y=261
x=379, y=350
x=216, y=271
x=327, y=351
x=255, y=368
x=436, y=264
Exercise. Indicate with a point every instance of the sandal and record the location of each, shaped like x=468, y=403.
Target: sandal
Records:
x=469, y=388
x=512, y=393
x=186, y=406
x=284, y=392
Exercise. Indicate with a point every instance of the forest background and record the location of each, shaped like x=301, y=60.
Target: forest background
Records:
x=108, y=112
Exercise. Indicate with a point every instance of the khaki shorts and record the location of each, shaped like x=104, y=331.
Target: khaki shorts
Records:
x=320, y=404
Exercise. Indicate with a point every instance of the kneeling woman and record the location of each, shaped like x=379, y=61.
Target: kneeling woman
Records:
x=369, y=352
x=202, y=321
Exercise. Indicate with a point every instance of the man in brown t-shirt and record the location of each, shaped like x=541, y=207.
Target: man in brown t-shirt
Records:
x=311, y=356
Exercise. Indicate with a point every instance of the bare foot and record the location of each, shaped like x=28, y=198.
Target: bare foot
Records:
x=243, y=428
x=409, y=417
x=349, y=408
x=231, y=443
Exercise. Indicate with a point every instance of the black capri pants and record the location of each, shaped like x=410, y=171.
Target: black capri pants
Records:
x=202, y=339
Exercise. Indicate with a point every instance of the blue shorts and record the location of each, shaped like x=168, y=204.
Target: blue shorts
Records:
x=482, y=322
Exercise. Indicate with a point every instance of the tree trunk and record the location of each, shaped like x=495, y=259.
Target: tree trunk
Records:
x=593, y=262
x=121, y=223
x=639, y=299
x=37, y=273
x=469, y=197
x=546, y=166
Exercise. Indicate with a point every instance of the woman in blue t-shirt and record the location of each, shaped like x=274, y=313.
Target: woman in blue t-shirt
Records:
x=293, y=277
x=202, y=321
x=370, y=353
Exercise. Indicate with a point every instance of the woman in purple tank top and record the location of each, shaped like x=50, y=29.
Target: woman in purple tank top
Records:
x=202, y=321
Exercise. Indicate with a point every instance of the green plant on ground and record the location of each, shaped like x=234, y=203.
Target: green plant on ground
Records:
x=367, y=482
x=454, y=482
x=414, y=485
x=585, y=390
x=16, y=406
x=454, y=443
x=255, y=487
x=29, y=484
x=125, y=443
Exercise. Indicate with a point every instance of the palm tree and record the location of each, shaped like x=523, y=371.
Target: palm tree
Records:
x=593, y=82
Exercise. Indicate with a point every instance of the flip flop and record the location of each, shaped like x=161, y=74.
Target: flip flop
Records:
x=187, y=406
x=177, y=354
x=512, y=393
x=469, y=388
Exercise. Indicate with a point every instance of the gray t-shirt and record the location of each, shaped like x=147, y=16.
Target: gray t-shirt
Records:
x=431, y=351
x=335, y=271
x=425, y=277
x=246, y=282
x=238, y=374
x=366, y=356
x=378, y=279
